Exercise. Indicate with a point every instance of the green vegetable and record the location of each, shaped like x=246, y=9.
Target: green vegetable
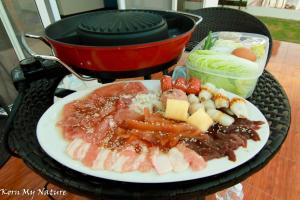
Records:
x=209, y=41
x=223, y=64
x=232, y=73
x=258, y=50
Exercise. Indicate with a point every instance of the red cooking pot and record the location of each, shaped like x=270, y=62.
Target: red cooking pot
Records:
x=118, y=41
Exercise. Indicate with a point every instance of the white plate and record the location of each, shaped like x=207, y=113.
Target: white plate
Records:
x=52, y=142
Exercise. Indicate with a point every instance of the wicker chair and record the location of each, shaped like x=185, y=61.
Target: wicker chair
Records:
x=227, y=19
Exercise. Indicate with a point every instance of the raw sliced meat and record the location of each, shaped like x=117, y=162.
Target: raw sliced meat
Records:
x=110, y=160
x=98, y=163
x=91, y=155
x=143, y=161
x=73, y=146
x=160, y=161
x=195, y=160
x=124, y=160
x=99, y=132
x=131, y=156
x=118, y=89
x=177, y=160
x=125, y=113
x=81, y=152
x=81, y=117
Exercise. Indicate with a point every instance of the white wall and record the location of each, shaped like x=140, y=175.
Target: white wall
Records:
x=149, y=4
x=210, y=3
x=67, y=7
x=273, y=12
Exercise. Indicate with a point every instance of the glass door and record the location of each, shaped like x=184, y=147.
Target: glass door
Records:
x=8, y=59
x=19, y=17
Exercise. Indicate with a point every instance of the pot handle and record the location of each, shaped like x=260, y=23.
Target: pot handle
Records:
x=40, y=38
x=47, y=57
x=197, y=22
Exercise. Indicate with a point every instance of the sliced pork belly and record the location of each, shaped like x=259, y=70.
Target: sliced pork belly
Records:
x=78, y=149
x=145, y=163
x=160, y=161
x=98, y=163
x=195, y=160
x=91, y=155
x=129, y=164
x=81, y=151
x=125, y=160
x=73, y=145
x=177, y=160
x=110, y=160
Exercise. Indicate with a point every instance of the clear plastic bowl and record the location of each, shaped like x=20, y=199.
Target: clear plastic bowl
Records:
x=240, y=82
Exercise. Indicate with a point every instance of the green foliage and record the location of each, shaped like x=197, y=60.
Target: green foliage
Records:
x=283, y=29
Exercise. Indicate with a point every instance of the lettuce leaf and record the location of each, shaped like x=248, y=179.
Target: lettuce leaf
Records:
x=222, y=64
x=225, y=71
x=226, y=46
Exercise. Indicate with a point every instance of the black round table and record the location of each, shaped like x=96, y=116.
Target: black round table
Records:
x=37, y=96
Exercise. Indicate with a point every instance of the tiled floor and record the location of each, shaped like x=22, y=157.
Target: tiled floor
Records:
x=279, y=180
x=281, y=177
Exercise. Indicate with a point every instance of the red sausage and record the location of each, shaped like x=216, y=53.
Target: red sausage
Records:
x=166, y=83
x=193, y=86
x=180, y=84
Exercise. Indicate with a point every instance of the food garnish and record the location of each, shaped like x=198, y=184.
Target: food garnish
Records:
x=209, y=41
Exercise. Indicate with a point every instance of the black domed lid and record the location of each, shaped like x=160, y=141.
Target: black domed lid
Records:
x=121, y=22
